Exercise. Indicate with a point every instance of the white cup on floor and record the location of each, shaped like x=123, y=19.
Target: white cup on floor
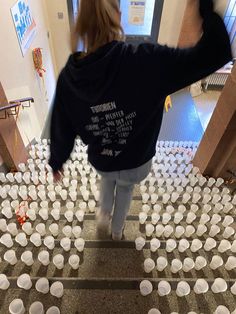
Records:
x=17, y=307
x=36, y=308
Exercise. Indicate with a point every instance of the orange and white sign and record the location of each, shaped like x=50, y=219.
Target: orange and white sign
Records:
x=137, y=12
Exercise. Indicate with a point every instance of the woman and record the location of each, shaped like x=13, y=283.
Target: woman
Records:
x=112, y=95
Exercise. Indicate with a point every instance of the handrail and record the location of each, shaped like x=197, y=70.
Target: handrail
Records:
x=15, y=104
x=21, y=100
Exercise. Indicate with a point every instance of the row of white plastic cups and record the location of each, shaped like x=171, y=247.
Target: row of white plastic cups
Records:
x=183, y=288
x=188, y=264
x=190, y=144
x=195, y=246
x=184, y=245
x=44, y=214
x=14, y=193
x=165, y=218
x=27, y=228
x=194, y=208
x=221, y=309
x=179, y=231
x=64, y=195
x=186, y=198
x=189, y=218
x=42, y=285
x=43, y=258
x=36, y=240
x=17, y=307
x=201, y=230
x=161, y=189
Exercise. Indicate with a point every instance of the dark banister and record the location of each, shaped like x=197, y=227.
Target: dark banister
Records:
x=15, y=104
x=21, y=100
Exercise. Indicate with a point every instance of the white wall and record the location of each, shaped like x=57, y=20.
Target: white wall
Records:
x=17, y=75
x=171, y=22
x=59, y=31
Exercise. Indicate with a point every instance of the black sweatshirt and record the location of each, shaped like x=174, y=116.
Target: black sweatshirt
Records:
x=114, y=98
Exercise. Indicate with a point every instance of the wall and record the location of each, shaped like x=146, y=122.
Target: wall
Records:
x=171, y=22
x=17, y=74
x=59, y=31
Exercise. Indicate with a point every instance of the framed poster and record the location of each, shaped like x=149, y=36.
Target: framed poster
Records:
x=137, y=12
x=24, y=24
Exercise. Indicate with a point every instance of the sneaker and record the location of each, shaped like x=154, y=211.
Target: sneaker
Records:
x=117, y=236
x=103, y=221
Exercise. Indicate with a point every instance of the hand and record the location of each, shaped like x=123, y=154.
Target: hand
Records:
x=57, y=176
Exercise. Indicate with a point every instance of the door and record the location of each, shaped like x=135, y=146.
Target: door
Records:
x=141, y=20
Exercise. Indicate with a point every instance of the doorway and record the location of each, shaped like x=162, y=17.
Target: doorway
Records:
x=140, y=19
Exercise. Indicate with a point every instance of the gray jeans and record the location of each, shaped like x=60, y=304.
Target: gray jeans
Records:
x=116, y=192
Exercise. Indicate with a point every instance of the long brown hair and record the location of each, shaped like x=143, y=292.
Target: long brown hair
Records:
x=98, y=23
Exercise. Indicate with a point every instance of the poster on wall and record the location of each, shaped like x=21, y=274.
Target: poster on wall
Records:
x=24, y=24
x=137, y=12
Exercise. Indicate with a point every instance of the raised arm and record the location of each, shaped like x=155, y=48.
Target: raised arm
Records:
x=176, y=68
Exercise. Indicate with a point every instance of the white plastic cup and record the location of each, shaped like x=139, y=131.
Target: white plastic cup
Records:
x=36, y=308
x=140, y=243
x=166, y=218
x=35, y=238
x=10, y=257
x=66, y=244
x=196, y=245
x=6, y=240
x=41, y=229
x=27, y=228
x=49, y=242
x=179, y=231
x=231, y=263
x=12, y=229
x=57, y=289
x=53, y=310
x=188, y=264
x=159, y=230
x=183, y=245
x=54, y=229
x=42, y=285
x=149, y=265
x=219, y=285
x=80, y=215
x=58, y=261
x=55, y=214
x=214, y=230
x=149, y=230
x=178, y=217
x=161, y=263
x=17, y=307
x=216, y=262
x=155, y=218
x=142, y=218
x=170, y=245
x=164, y=288
x=4, y=282
x=228, y=220
x=224, y=246
x=27, y=258
x=189, y=231
x=233, y=289
x=43, y=258
x=79, y=244
x=209, y=244
x=176, y=266
x=200, y=262
x=228, y=232
x=24, y=282
x=183, y=289
x=146, y=287
x=154, y=245
x=201, y=286
x=221, y=309
x=201, y=229
x=74, y=261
